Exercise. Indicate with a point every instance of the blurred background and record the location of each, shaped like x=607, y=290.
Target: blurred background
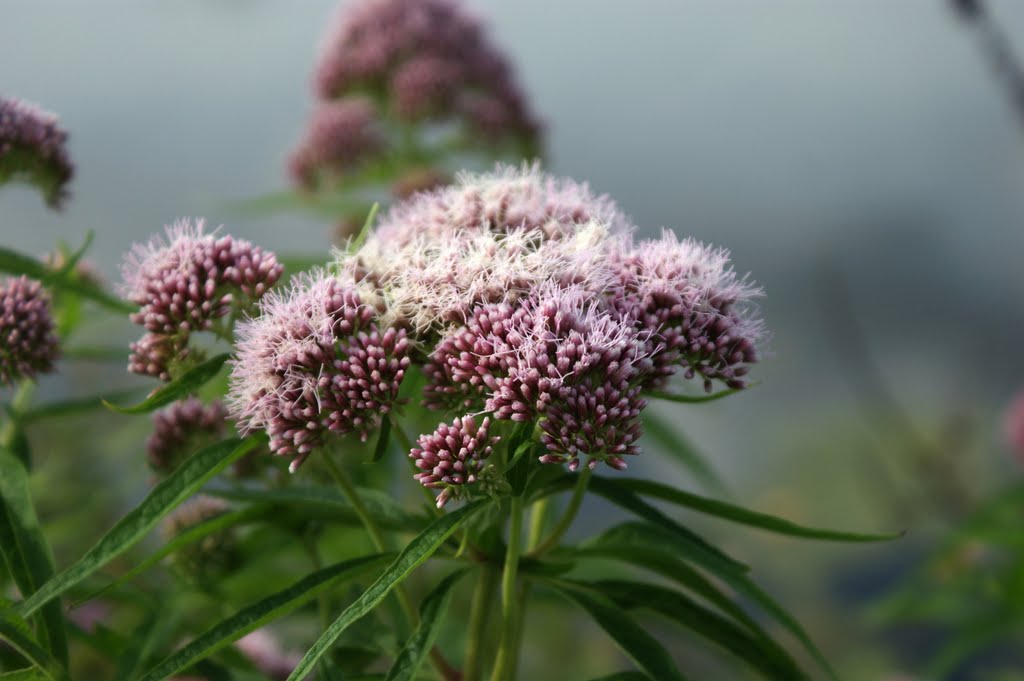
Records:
x=864, y=161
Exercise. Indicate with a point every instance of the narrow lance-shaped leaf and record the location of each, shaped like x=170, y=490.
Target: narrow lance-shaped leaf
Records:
x=705, y=623
x=383, y=439
x=414, y=554
x=693, y=399
x=30, y=674
x=25, y=550
x=183, y=386
x=698, y=549
x=260, y=613
x=330, y=502
x=167, y=495
x=680, y=449
x=639, y=645
x=17, y=264
x=739, y=581
x=18, y=637
x=738, y=514
x=419, y=644
x=77, y=405
x=652, y=548
x=186, y=537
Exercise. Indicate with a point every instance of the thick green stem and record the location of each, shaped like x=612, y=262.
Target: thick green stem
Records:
x=504, y=666
x=472, y=669
x=377, y=537
x=570, y=515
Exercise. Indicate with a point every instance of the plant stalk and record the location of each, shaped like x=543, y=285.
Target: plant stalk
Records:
x=376, y=536
x=504, y=666
x=472, y=669
x=570, y=515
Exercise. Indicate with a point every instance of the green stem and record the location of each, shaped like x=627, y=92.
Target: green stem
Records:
x=411, y=614
x=20, y=401
x=504, y=666
x=478, y=610
x=352, y=494
x=538, y=516
x=570, y=515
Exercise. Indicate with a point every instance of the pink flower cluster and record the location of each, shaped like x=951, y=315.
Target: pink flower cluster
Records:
x=391, y=67
x=315, y=361
x=28, y=342
x=453, y=456
x=526, y=299
x=33, y=146
x=180, y=429
x=183, y=284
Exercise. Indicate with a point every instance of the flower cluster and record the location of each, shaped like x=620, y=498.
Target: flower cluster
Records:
x=34, y=147
x=527, y=300
x=180, y=429
x=315, y=361
x=28, y=342
x=185, y=284
x=1013, y=427
x=392, y=69
x=696, y=309
x=212, y=556
x=453, y=456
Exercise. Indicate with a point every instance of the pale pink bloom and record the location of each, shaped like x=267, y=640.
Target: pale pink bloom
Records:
x=315, y=361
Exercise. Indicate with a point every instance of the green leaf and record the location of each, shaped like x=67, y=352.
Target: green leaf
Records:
x=770, y=660
x=186, y=537
x=18, y=264
x=260, y=613
x=738, y=514
x=655, y=536
x=144, y=639
x=18, y=637
x=680, y=449
x=183, y=386
x=414, y=554
x=625, y=676
x=383, y=439
x=695, y=399
x=364, y=233
x=167, y=495
x=25, y=550
x=73, y=406
x=419, y=644
x=652, y=548
x=640, y=646
x=30, y=674
x=329, y=502
x=697, y=548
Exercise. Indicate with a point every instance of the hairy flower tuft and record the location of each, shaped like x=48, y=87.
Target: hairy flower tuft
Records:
x=430, y=284
x=183, y=283
x=33, y=147
x=453, y=456
x=28, y=342
x=315, y=360
x=698, y=313
x=181, y=429
x=507, y=199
